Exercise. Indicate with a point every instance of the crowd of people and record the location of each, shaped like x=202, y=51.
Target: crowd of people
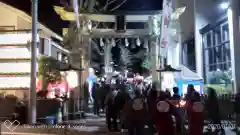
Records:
x=139, y=105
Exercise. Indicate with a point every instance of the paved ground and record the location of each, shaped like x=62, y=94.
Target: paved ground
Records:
x=92, y=125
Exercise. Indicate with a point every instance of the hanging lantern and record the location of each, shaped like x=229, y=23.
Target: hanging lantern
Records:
x=101, y=42
x=145, y=43
x=126, y=42
x=138, y=42
x=133, y=45
x=113, y=42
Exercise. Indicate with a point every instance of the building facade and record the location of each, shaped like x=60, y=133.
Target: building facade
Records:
x=216, y=43
x=15, y=55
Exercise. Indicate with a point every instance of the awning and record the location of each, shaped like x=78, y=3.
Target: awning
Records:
x=168, y=68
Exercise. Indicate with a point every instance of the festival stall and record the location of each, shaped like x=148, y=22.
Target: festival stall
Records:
x=187, y=77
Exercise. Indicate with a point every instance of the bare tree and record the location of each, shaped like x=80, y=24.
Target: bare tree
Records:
x=73, y=39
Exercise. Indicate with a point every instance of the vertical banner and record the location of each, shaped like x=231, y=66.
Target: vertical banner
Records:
x=76, y=10
x=165, y=30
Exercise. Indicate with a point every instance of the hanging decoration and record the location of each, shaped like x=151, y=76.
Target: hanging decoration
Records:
x=133, y=45
x=76, y=12
x=138, y=42
x=89, y=25
x=126, y=42
x=165, y=30
x=113, y=42
x=145, y=44
x=101, y=42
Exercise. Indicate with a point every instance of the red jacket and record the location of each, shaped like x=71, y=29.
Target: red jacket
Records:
x=133, y=117
x=195, y=118
x=163, y=119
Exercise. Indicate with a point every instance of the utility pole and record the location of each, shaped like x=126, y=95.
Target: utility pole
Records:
x=32, y=91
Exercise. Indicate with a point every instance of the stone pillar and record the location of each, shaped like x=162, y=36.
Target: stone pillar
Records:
x=107, y=57
x=154, y=58
x=234, y=35
x=198, y=24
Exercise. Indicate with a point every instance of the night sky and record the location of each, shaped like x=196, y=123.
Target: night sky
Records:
x=48, y=17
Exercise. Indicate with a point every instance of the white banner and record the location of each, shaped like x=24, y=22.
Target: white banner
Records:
x=165, y=30
x=11, y=39
x=76, y=11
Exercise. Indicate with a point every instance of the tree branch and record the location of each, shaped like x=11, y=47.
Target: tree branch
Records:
x=91, y=4
x=107, y=4
x=118, y=6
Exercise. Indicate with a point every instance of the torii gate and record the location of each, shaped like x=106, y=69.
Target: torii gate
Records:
x=152, y=32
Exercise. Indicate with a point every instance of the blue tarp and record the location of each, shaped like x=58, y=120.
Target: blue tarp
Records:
x=183, y=83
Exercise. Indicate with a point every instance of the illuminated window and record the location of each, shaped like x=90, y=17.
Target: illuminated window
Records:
x=216, y=52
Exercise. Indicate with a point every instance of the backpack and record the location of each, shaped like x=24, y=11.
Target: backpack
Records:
x=198, y=107
x=137, y=104
x=163, y=106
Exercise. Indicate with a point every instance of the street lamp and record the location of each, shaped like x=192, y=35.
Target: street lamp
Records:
x=224, y=5
x=32, y=92
x=168, y=71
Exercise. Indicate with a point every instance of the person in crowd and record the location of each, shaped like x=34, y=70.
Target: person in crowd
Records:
x=103, y=93
x=176, y=95
x=212, y=107
x=195, y=112
x=168, y=94
x=20, y=112
x=86, y=96
x=111, y=110
x=190, y=90
x=163, y=115
x=120, y=100
x=135, y=114
x=96, y=98
x=237, y=110
x=147, y=89
x=176, y=98
x=151, y=102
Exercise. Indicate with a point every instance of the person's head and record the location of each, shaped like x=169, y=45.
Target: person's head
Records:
x=196, y=96
x=211, y=92
x=167, y=93
x=161, y=95
x=190, y=88
x=175, y=90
